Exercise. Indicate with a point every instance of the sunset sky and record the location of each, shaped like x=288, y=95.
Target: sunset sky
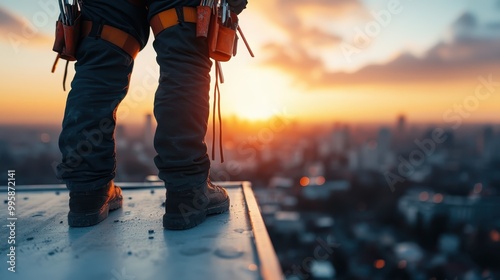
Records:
x=316, y=60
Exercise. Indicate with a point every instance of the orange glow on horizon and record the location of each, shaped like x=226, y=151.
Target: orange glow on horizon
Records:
x=257, y=96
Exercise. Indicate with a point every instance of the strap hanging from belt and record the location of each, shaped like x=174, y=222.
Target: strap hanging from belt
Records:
x=218, y=76
x=65, y=70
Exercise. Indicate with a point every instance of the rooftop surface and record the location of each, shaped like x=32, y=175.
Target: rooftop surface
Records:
x=131, y=243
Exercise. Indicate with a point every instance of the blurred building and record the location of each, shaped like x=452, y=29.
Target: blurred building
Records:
x=148, y=130
x=121, y=137
x=486, y=144
x=340, y=139
x=322, y=270
x=367, y=157
x=401, y=125
x=319, y=189
x=400, y=140
x=288, y=222
x=385, y=155
x=424, y=206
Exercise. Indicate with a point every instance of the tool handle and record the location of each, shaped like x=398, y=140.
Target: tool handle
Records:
x=219, y=70
x=245, y=41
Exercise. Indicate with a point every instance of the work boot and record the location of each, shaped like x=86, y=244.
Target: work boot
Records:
x=92, y=207
x=187, y=209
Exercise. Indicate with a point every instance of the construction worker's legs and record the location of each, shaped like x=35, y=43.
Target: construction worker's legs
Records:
x=181, y=105
x=100, y=83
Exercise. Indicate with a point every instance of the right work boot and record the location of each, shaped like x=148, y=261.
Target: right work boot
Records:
x=187, y=209
x=89, y=208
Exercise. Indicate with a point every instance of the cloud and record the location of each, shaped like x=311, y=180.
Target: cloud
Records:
x=287, y=8
x=295, y=61
x=7, y=19
x=316, y=37
x=466, y=21
x=472, y=50
x=18, y=31
x=301, y=20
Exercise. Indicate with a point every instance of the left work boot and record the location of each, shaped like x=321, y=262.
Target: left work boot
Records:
x=92, y=207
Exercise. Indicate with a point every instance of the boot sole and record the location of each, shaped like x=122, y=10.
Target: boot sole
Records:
x=220, y=208
x=182, y=221
x=90, y=219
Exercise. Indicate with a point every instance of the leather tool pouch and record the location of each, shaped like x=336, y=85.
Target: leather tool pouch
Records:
x=67, y=39
x=203, y=14
x=66, y=42
x=222, y=37
x=59, y=40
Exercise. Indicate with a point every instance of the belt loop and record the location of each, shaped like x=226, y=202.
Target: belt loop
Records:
x=96, y=30
x=180, y=14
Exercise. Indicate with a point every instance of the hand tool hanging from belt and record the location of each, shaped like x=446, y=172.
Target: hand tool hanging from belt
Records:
x=218, y=25
x=222, y=45
x=67, y=34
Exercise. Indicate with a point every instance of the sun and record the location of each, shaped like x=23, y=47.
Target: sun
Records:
x=253, y=97
x=254, y=109
x=250, y=103
x=255, y=114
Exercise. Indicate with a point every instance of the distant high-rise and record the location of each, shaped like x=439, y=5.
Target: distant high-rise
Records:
x=368, y=156
x=121, y=137
x=400, y=137
x=148, y=130
x=340, y=139
x=385, y=155
x=384, y=141
x=401, y=125
x=486, y=143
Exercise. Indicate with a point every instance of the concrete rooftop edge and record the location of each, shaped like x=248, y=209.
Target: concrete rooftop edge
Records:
x=269, y=266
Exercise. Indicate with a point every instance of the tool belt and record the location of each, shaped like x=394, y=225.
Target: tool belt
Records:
x=221, y=34
x=69, y=33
